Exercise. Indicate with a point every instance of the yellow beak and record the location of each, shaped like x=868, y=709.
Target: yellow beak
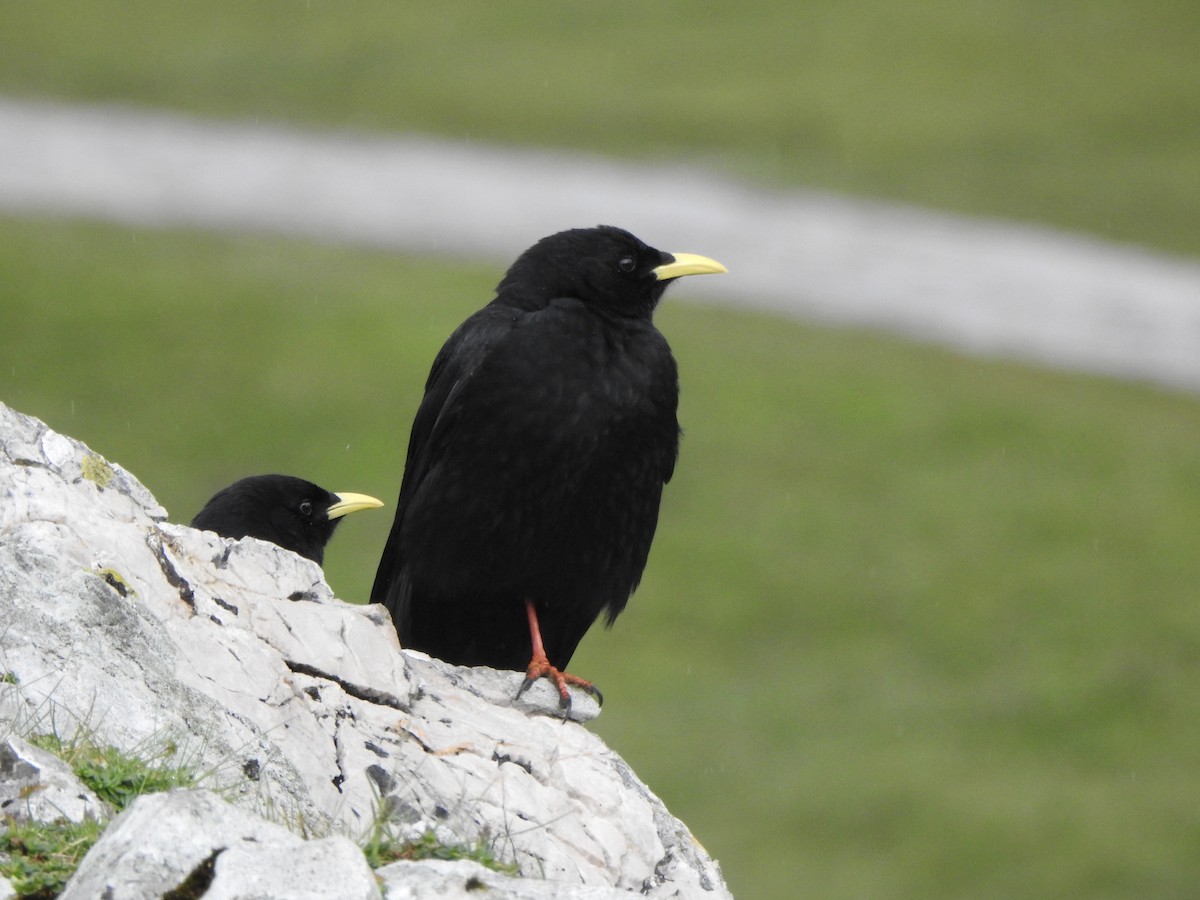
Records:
x=688, y=264
x=348, y=503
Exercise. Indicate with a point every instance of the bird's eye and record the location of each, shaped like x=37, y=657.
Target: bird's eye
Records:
x=306, y=508
x=626, y=263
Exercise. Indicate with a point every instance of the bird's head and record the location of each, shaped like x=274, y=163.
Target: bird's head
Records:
x=604, y=266
x=291, y=512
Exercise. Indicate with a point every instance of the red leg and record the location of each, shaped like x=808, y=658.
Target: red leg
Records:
x=540, y=666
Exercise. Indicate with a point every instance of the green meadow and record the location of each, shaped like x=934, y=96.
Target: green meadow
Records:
x=915, y=624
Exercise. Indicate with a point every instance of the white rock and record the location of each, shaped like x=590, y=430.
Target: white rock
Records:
x=36, y=785
x=162, y=840
x=465, y=880
x=290, y=701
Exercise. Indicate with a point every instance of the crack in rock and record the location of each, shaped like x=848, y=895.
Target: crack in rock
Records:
x=359, y=692
x=226, y=606
x=502, y=758
x=376, y=749
x=198, y=881
x=381, y=778
x=177, y=581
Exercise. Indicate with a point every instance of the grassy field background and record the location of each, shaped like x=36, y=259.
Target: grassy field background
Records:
x=914, y=625
x=1082, y=113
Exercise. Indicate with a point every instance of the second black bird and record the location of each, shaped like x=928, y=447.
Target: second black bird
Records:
x=291, y=512
x=537, y=459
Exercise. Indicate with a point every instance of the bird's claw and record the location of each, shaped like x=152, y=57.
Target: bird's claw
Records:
x=541, y=668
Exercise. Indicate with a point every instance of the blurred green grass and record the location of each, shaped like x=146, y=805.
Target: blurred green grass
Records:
x=914, y=625
x=1082, y=114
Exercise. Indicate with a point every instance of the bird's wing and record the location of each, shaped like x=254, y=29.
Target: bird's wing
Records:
x=452, y=369
x=455, y=366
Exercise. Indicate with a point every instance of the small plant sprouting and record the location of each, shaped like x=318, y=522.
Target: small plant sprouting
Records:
x=382, y=846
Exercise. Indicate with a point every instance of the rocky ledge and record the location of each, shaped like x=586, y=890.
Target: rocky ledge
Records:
x=306, y=720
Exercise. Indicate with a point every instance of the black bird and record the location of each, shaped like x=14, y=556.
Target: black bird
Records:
x=291, y=512
x=537, y=459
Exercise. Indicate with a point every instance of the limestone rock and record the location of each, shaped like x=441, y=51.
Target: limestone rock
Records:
x=164, y=841
x=465, y=880
x=290, y=702
x=36, y=785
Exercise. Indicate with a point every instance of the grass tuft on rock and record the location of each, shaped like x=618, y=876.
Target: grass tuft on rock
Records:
x=40, y=857
x=383, y=846
x=116, y=777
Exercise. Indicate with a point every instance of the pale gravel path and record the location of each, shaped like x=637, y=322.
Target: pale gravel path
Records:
x=982, y=286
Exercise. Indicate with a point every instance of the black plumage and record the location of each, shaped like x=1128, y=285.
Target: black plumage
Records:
x=537, y=458
x=291, y=512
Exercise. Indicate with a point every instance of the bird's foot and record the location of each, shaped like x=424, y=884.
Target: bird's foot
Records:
x=540, y=667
